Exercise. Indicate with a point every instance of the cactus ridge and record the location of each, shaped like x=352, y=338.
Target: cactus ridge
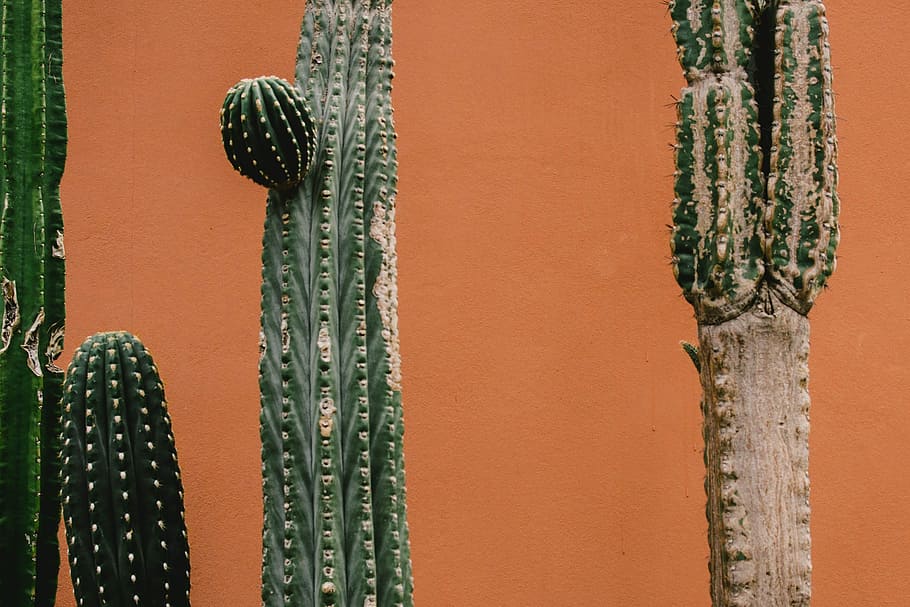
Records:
x=335, y=530
x=266, y=131
x=756, y=202
x=32, y=157
x=123, y=496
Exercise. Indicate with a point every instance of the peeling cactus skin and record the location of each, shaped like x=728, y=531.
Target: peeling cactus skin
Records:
x=122, y=492
x=335, y=526
x=753, y=242
x=32, y=157
x=11, y=319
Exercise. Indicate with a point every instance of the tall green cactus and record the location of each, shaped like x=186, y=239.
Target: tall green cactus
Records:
x=32, y=155
x=335, y=530
x=122, y=493
x=755, y=231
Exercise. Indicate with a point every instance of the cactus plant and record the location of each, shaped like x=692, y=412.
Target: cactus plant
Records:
x=755, y=230
x=122, y=493
x=267, y=132
x=32, y=155
x=335, y=531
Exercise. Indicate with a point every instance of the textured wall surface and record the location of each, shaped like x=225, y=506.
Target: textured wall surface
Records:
x=553, y=433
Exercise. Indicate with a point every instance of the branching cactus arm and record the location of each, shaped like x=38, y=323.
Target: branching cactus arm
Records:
x=123, y=495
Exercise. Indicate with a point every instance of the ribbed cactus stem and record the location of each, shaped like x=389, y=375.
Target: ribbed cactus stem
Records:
x=32, y=154
x=122, y=492
x=754, y=238
x=335, y=529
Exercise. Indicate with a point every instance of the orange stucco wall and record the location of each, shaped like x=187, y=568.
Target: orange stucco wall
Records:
x=553, y=430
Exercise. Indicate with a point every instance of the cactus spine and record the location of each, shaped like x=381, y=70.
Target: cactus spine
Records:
x=755, y=231
x=335, y=531
x=33, y=150
x=122, y=493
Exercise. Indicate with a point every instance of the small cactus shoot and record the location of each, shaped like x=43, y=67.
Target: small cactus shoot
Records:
x=32, y=155
x=753, y=244
x=122, y=493
x=335, y=528
x=267, y=132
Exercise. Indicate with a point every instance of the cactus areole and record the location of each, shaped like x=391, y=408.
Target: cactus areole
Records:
x=32, y=155
x=122, y=493
x=335, y=526
x=754, y=237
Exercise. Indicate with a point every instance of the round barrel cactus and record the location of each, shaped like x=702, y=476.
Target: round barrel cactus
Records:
x=267, y=132
x=122, y=493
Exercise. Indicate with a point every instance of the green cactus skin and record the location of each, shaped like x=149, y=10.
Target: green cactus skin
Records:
x=260, y=139
x=754, y=239
x=335, y=527
x=122, y=493
x=32, y=157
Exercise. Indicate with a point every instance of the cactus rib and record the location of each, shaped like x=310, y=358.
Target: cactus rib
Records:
x=718, y=210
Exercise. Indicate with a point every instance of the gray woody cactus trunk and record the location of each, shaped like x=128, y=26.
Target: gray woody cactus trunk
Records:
x=335, y=528
x=755, y=231
x=32, y=154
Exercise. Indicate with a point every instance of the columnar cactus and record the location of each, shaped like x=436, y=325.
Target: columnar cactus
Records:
x=335, y=530
x=755, y=230
x=32, y=154
x=122, y=493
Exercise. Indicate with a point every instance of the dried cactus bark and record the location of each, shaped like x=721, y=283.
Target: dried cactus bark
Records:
x=32, y=156
x=122, y=492
x=754, y=239
x=335, y=529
